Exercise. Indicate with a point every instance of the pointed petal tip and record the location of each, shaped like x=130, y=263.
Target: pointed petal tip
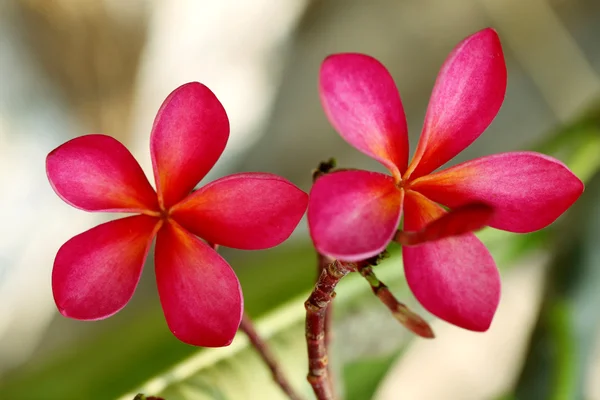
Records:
x=489, y=32
x=481, y=328
x=223, y=339
x=487, y=38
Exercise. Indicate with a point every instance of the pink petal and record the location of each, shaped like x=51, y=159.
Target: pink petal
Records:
x=95, y=273
x=353, y=215
x=244, y=211
x=468, y=218
x=453, y=278
x=97, y=173
x=527, y=190
x=199, y=292
x=467, y=95
x=362, y=102
x=189, y=134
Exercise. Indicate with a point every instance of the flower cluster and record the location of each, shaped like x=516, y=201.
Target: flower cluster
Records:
x=95, y=273
x=353, y=214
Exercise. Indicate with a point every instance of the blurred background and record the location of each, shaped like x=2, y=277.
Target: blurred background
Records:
x=71, y=67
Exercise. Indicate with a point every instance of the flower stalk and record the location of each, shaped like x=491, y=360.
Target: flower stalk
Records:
x=316, y=310
x=323, y=261
x=401, y=312
x=247, y=326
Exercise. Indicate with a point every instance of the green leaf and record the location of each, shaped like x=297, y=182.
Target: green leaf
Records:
x=234, y=371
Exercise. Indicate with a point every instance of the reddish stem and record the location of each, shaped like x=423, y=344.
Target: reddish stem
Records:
x=323, y=262
x=267, y=356
x=316, y=310
x=401, y=312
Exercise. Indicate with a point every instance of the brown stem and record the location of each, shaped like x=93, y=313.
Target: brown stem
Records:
x=316, y=309
x=265, y=353
x=401, y=312
x=323, y=262
x=267, y=356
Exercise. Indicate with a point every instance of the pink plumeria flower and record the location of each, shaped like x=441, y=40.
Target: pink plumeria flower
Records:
x=354, y=214
x=95, y=273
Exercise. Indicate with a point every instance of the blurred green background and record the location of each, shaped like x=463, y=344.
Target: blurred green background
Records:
x=71, y=67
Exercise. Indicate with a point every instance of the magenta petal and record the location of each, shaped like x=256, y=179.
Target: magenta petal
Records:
x=467, y=95
x=98, y=173
x=468, y=218
x=189, y=134
x=362, y=102
x=244, y=211
x=454, y=278
x=527, y=190
x=199, y=292
x=353, y=215
x=95, y=273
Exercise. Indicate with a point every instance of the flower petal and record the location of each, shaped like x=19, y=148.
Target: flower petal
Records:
x=468, y=218
x=98, y=173
x=189, y=134
x=527, y=190
x=245, y=211
x=95, y=273
x=467, y=95
x=362, y=102
x=453, y=278
x=199, y=292
x=353, y=215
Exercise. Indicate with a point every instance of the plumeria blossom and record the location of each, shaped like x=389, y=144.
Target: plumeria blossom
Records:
x=354, y=214
x=95, y=273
